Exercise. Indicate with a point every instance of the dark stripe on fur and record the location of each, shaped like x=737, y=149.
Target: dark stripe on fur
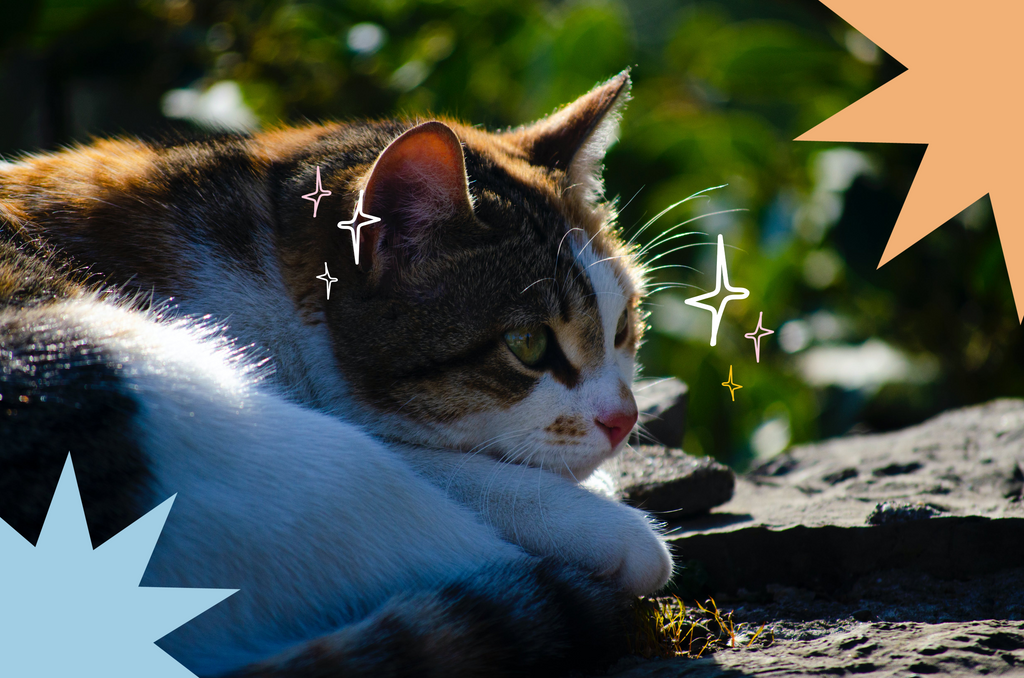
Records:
x=528, y=618
x=559, y=366
x=60, y=394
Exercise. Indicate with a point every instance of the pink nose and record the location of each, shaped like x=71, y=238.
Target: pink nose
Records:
x=617, y=425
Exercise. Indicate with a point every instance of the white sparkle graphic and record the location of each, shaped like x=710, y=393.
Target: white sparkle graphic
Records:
x=721, y=280
x=326, y=277
x=354, y=224
x=315, y=196
x=69, y=610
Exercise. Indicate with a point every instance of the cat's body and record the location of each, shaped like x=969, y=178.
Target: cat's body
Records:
x=356, y=488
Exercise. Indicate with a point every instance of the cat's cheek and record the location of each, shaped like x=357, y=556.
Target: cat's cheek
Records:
x=557, y=428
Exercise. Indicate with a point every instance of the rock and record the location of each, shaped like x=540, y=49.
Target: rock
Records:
x=895, y=512
x=933, y=498
x=880, y=649
x=963, y=463
x=662, y=404
x=892, y=554
x=669, y=483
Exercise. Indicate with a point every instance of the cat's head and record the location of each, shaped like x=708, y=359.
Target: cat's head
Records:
x=494, y=308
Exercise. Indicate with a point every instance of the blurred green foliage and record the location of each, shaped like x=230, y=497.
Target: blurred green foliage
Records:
x=721, y=89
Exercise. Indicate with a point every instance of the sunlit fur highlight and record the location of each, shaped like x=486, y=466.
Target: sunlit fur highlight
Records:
x=392, y=491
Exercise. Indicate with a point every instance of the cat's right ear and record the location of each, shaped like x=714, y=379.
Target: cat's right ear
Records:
x=574, y=139
x=417, y=184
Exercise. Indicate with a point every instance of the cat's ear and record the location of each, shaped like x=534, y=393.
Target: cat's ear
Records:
x=417, y=183
x=575, y=138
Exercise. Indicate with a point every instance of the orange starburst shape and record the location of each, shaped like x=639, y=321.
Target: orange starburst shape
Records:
x=961, y=94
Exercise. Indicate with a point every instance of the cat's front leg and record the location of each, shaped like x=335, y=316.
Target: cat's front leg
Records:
x=314, y=522
x=551, y=516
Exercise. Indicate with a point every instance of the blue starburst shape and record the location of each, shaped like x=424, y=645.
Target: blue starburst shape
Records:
x=69, y=610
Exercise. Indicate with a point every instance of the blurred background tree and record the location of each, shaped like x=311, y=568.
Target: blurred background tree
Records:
x=721, y=87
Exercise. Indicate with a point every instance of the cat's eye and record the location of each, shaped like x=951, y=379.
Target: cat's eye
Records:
x=529, y=344
x=622, y=327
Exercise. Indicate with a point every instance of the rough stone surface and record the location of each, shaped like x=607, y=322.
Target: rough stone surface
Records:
x=847, y=647
x=662, y=404
x=963, y=463
x=899, y=554
x=888, y=512
x=670, y=483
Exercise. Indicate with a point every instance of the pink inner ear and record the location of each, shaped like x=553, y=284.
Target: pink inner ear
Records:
x=419, y=178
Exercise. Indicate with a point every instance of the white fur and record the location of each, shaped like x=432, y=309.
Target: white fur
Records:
x=260, y=315
x=311, y=518
x=549, y=515
x=258, y=312
x=518, y=432
x=585, y=169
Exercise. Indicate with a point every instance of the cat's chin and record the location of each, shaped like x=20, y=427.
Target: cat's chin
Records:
x=576, y=470
x=582, y=472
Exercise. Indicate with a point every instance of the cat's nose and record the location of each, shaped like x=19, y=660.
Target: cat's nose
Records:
x=617, y=425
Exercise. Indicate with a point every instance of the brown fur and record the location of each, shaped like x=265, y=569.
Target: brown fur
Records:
x=412, y=334
x=501, y=624
x=567, y=427
x=415, y=329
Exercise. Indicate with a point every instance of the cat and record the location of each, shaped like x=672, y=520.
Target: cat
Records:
x=390, y=476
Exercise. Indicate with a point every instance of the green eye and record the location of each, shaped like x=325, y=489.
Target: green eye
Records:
x=528, y=343
x=620, y=327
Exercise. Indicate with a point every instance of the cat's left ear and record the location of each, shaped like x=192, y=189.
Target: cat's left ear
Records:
x=417, y=185
x=575, y=138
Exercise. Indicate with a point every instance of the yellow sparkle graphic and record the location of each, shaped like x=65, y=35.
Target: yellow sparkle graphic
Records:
x=961, y=95
x=732, y=386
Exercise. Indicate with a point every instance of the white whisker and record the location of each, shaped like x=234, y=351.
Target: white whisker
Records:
x=667, y=236
x=672, y=286
x=562, y=457
x=658, y=239
x=582, y=250
x=655, y=383
x=659, y=215
x=689, y=268
x=535, y=282
x=554, y=273
x=683, y=247
x=478, y=449
x=630, y=201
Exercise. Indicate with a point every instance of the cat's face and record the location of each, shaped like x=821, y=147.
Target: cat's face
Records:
x=494, y=309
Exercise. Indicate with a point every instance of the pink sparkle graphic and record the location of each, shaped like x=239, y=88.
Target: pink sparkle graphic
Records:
x=758, y=334
x=315, y=196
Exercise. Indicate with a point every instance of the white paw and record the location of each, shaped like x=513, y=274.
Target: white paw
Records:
x=632, y=553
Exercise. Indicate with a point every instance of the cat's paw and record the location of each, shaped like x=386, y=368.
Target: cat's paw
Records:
x=632, y=553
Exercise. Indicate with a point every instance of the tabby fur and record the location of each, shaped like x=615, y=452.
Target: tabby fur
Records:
x=390, y=488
